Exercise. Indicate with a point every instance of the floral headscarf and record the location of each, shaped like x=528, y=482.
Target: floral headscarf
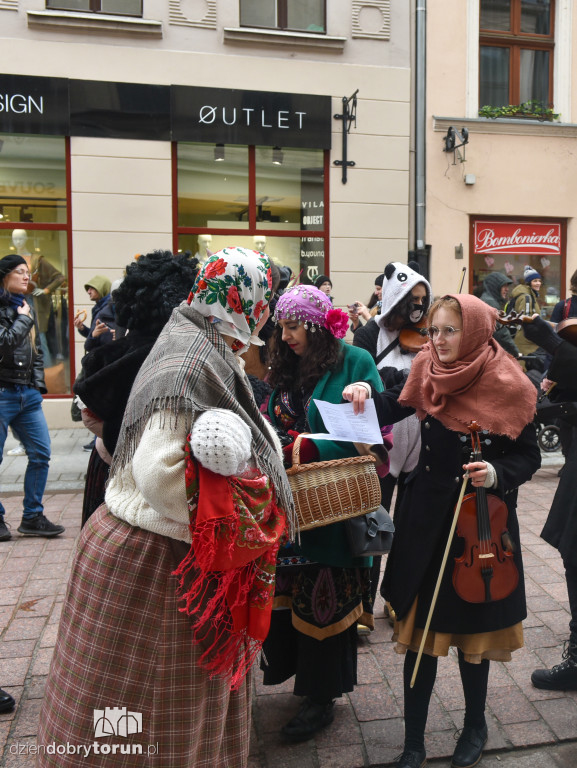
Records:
x=233, y=289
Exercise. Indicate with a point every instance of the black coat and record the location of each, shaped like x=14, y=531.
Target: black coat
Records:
x=425, y=517
x=561, y=526
x=108, y=375
x=21, y=361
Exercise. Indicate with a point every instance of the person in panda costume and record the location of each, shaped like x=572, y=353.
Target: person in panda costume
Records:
x=406, y=300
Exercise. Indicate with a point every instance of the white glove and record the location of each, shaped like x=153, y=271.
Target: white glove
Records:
x=38, y=292
x=491, y=479
x=221, y=442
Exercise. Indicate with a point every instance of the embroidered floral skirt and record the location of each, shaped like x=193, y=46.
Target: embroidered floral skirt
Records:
x=123, y=645
x=313, y=631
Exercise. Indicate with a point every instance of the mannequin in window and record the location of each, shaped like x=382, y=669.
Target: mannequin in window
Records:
x=259, y=243
x=45, y=279
x=204, y=247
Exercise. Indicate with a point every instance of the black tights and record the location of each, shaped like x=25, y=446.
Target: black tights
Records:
x=474, y=678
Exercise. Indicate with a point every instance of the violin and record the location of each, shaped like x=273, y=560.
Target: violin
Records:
x=567, y=329
x=414, y=335
x=486, y=570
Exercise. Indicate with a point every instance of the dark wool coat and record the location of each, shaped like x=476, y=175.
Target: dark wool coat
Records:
x=561, y=526
x=108, y=375
x=424, y=520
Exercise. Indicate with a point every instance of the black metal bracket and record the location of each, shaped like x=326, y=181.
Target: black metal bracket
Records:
x=450, y=141
x=348, y=116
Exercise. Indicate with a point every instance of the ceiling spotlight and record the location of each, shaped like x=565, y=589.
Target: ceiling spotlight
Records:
x=219, y=153
x=277, y=156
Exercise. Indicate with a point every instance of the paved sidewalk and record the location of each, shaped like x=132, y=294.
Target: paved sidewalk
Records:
x=68, y=462
x=528, y=728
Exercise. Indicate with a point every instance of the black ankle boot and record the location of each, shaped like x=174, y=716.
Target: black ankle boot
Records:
x=310, y=718
x=411, y=758
x=561, y=677
x=469, y=747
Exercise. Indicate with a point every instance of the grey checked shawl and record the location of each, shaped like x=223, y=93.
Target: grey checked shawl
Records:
x=191, y=370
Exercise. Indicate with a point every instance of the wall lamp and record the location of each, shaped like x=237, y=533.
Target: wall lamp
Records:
x=219, y=153
x=277, y=156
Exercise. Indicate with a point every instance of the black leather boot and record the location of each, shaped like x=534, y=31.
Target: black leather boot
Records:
x=469, y=747
x=311, y=717
x=7, y=703
x=561, y=677
x=411, y=758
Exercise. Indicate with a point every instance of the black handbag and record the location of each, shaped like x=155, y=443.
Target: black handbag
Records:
x=371, y=534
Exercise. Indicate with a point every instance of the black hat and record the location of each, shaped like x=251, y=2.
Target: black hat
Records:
x=323, y=279
x=10, y=262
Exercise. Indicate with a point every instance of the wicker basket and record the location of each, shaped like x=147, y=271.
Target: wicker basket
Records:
x=330, y=491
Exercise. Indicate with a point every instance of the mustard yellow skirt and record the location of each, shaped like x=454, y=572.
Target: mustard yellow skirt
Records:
x=495, y=646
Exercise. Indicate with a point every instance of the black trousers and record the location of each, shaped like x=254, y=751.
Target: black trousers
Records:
x=571, y=578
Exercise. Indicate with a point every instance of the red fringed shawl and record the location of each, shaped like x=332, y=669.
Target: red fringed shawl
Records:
x=227, y=578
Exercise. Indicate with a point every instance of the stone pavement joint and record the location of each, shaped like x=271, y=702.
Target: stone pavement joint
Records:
x=528, y=728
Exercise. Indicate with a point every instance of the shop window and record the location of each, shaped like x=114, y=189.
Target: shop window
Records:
x=509, y=245
x=112, y=7
x=268, y=198
x=33, y=223
x=516, y=52
x=293, y=15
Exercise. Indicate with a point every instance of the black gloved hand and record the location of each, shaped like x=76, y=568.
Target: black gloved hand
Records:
x=541, y=333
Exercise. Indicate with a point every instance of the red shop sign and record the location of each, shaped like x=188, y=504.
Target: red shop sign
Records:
x=526, y=237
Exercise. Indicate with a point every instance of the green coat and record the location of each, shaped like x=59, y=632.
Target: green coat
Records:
x=329, y=544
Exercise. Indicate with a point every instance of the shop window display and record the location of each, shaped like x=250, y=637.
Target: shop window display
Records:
x=33, y=216
x=257, y=197
x=508, y=246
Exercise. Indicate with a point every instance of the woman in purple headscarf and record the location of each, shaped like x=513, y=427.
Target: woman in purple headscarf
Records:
x=321, y=590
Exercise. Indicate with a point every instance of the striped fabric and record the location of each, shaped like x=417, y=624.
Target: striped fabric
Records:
x=122, y=643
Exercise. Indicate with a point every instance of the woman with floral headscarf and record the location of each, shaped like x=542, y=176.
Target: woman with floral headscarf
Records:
x=170, y=594
x=322, y=590
x=461, y=375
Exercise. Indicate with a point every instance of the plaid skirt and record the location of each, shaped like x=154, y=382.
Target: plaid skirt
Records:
x=125, y=689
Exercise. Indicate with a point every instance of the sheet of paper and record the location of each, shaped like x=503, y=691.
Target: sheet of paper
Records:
x=343, y=425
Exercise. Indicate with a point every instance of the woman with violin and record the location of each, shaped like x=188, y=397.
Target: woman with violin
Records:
x=560, y=529
x=393, y=339
x=473, y=580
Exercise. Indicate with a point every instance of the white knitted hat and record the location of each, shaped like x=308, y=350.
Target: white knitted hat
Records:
x=399, y=281
x=221, y=442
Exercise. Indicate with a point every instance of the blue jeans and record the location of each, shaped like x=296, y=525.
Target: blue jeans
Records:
x=21, y=408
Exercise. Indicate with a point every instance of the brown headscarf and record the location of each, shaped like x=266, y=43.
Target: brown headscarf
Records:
x=484, y=384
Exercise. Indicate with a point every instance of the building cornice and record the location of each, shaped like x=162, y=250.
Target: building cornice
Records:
x=280, y=37
x=507, y=126
x=94, y=22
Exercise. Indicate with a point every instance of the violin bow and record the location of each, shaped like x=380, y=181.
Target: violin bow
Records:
x=462, y=278
x=439, y=579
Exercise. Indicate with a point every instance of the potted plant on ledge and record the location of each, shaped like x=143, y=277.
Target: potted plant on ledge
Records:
x=528, y=110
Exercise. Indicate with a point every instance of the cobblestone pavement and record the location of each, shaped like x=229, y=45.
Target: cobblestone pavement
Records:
x=528, y=728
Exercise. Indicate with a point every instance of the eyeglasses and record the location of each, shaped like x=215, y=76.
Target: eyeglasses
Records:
x=21, y=272
x=448, y=331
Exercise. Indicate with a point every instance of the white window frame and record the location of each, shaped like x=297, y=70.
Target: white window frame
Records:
x=561, y=60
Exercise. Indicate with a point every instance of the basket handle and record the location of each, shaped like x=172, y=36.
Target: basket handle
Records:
x=296, y=457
